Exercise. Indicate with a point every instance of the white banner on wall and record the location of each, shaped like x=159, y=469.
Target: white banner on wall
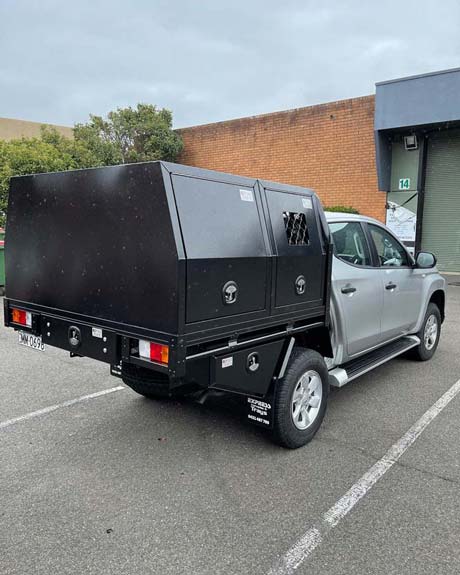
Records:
x=401, y=217
x=401, y=221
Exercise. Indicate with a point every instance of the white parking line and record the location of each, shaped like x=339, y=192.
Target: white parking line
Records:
x=49, y=409
x=312, y=538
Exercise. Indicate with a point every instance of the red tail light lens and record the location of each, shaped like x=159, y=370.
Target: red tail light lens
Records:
x=157, y=352
x=21, y=317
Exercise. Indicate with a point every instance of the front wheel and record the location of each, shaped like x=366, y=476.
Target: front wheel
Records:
x=429, y=334
x=300, y=399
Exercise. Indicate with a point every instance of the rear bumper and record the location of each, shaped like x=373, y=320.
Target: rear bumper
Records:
x=83, y=339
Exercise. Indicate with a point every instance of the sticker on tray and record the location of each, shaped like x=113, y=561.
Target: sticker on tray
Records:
x=227, y=362
x=246, y=195
x=97, y=332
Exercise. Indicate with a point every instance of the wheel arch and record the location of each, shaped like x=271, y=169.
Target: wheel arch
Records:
x=317, y=339
x=438, y=297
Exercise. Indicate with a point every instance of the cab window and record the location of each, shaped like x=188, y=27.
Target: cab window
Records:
x=389, y=251
x=350, y=243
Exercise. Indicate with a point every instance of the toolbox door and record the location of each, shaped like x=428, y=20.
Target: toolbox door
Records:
x=301, y=257
x=226, y=247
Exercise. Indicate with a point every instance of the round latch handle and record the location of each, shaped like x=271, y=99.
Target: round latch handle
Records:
x=230, y=293
x=252, y=362
x=300, y=285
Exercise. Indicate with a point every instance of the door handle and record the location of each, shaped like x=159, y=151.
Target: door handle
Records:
x=391, y=285
x=348, y=289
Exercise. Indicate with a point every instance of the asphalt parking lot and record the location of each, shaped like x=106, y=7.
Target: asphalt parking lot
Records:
x=120, y=484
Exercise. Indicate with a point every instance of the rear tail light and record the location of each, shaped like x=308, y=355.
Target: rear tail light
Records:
x=157, y=352
x=21, y=317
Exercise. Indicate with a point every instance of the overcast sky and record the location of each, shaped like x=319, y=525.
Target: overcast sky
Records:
x=212, y=60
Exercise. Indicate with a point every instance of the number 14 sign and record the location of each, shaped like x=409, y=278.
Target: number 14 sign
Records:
x=404, y=184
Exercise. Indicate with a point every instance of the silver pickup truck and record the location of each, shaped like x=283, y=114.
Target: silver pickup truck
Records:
x=189, y=281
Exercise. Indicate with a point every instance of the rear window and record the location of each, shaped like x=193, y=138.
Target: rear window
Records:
x=350, y=243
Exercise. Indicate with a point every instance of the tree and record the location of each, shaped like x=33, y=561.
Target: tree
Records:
x=127, y=135
x=131, y=135
x=51, y=152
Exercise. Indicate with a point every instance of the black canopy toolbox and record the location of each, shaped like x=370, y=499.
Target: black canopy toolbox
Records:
x=208, y=267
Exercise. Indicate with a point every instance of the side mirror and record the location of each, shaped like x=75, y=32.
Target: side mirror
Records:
x=425, y=260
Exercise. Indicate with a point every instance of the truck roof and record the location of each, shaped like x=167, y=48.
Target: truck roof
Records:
x=341, y=216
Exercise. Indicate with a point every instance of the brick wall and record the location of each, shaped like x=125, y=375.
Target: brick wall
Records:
x=329, y=148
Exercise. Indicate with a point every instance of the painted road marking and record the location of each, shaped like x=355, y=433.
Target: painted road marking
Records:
x=307, y=544
x=51, y=408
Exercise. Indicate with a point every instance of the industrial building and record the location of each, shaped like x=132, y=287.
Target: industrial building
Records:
x=394, y=156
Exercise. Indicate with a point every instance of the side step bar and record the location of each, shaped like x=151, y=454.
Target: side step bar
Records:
x=340, y=376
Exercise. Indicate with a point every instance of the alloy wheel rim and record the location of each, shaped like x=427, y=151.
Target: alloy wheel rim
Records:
x=430, y=333
x=306, y=399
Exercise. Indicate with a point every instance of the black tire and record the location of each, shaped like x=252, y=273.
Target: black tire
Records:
x=145, y=381
x=285, y=432
x=425, y=350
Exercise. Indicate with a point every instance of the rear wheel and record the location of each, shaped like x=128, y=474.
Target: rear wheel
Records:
x=429, y=334
x=146, y=382
x=300, y=399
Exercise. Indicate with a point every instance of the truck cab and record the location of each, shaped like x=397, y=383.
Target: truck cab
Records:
x=380, y=293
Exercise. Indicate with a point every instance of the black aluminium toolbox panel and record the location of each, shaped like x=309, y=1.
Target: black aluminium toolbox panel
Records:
x=246, y=371
x=225, y=243
x=304, y=257
x=161, y=249
x=98, y=243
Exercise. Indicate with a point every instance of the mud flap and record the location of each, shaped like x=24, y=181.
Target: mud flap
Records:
x=260, y=411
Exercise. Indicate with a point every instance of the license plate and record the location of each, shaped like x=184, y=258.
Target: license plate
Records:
x=32, y=341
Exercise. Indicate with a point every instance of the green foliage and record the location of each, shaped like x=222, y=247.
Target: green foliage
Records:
x=51, y=152
x=131, y=135
x=344, y=209
x=127, y=135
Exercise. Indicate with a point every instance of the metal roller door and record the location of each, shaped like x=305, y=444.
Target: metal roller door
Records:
x=441, y=211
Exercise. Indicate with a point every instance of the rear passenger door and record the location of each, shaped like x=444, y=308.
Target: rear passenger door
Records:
x=356, y=288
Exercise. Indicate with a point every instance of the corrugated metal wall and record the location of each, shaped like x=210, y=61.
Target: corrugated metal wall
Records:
x=441, y=213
